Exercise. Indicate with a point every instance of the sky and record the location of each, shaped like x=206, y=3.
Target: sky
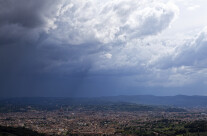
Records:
x=88, y=48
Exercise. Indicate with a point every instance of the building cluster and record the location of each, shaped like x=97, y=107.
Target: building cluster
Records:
x=60, y=122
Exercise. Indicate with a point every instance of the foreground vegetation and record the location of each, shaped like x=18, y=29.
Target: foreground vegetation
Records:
x=167, y=127
x=19, y=131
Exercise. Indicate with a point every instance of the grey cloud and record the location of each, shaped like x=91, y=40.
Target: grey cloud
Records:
x=27, y=13
x=24, y=20
x=154, y=24
x=192, y=54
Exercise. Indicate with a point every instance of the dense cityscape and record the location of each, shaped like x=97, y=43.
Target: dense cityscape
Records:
x=104, y=119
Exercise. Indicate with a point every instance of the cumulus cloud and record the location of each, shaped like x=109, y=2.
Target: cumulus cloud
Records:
x=112, y=21
x=100, y=27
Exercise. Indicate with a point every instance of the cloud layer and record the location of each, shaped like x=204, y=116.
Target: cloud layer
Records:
x=87, y=47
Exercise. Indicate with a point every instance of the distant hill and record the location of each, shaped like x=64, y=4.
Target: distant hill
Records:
x=177, y=101
x=24, y=105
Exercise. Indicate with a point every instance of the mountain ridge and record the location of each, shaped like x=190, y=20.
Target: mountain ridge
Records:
x=178, y=100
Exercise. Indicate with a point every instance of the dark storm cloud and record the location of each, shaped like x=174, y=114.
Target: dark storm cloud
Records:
x=23, y=20
x=22, y=24
x=77, y=48
x=26, y=13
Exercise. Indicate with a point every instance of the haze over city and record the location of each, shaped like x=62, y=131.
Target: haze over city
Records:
x=88, y=48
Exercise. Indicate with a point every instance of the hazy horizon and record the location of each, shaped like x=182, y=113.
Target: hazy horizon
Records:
x=92, y=48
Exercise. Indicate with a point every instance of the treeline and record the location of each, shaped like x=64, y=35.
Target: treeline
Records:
x=166, y=127
x=19, y=131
